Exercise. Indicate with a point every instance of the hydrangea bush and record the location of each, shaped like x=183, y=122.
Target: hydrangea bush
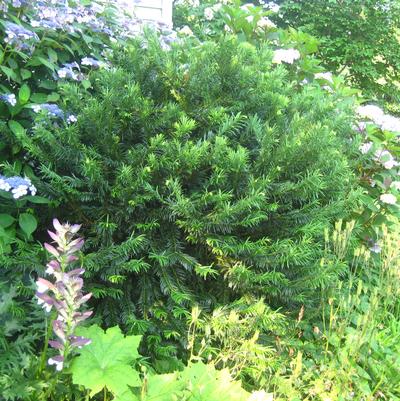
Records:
x=380, y=171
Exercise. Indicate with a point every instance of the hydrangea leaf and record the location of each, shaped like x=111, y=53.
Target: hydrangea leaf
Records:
x=28, y=223
x=106, y=362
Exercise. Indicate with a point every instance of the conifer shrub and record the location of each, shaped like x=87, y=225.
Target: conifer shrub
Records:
x=201, y=174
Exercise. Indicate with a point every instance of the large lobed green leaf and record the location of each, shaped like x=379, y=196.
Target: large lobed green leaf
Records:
x=106, y=362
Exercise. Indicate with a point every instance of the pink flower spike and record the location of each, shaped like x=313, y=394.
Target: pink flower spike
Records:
x=53, y=236
x=76, y=272
x=44, y=285
x=57, y=225
x=80, y=342
x=80, y=317
x=52, y=266
x=46, y=301
x=51, y=250
x=75, y=228
x=58, y=361
x=84, y=299
x=58, y=328
x=72, y=258
x=56, y=344
x=76, y=244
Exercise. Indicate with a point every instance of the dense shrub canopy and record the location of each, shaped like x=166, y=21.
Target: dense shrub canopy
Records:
x=196, y=167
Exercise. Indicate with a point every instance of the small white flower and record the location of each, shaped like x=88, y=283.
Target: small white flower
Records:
x=49, y=270
x=5, y=186
x=62, y=73
x=285, y=55
x=249, y=19
x=208, y=13
x=12, y=99
x=59, y=364
x=365, y=147
x=36, y=108
x=41, y=287
x=47, y=307
x=385, y=158
x=227, y=28
x=71, y=119
x=375, y=248
x=388, y=198
x=33, y=190
x=395, y=185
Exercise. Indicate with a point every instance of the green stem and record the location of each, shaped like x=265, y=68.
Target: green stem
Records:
x=45, y=346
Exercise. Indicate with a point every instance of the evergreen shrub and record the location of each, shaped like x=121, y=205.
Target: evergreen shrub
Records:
x=201, y=175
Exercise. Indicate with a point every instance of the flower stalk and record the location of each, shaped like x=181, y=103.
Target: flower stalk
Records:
x=64, y=292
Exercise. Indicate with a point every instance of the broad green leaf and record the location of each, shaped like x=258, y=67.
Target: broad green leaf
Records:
x=53, y=97
x=6, y=220
x=39, y=98
x=24, y=94
x=9, y=72
x=86, y=84
x=48, y=84
x=47, y=63
x=37, y=199
x=162, y=387
x=52, y=55
x=197, y=382
x=16, y=127
x=106, y=362
x=28, y=223
x=25, y=74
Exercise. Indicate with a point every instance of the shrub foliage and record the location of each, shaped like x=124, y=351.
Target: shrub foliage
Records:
x=201, y=174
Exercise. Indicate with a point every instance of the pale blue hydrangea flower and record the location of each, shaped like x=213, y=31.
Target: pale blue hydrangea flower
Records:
x=18, y=186
x=19, y=37
x=89, y=61
x=52, y=109
x=9, y=98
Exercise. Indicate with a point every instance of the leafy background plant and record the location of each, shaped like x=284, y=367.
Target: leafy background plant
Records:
x=208, y=177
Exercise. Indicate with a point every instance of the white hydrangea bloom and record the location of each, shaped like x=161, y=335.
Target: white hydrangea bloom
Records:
x=371, y=112
x=390, y=123
x=208, y=13
x=365, y=147
x=286, y=56
x=390, y=199
x=324, y=75
x=265, y=22
x=4, y=185
x=385, y=158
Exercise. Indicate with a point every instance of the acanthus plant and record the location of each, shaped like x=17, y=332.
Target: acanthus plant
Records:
x=64, y=292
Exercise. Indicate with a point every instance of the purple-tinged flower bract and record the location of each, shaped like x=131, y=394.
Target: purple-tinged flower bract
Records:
x=64, y=293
